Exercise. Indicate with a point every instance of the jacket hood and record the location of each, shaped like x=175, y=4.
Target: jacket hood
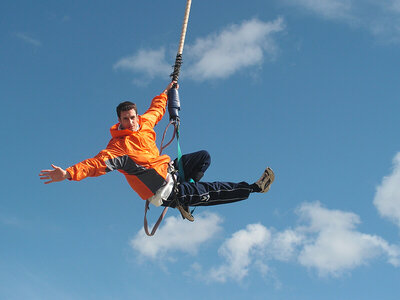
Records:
x=115, y=132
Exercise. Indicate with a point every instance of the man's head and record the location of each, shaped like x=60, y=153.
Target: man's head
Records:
x=127, y=115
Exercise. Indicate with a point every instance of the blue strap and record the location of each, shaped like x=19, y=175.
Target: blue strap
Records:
x=180, y=163
x=181, y=172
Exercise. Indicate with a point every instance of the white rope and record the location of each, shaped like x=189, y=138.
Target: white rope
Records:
x=184, y=26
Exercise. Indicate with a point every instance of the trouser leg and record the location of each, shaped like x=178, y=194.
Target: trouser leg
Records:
x=210, y=193
x=194, y=164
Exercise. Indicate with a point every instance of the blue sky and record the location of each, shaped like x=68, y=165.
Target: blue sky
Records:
x=307, y=87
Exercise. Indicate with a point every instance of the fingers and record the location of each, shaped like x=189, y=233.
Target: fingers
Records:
x=47, y=174
x=44, y=172
x=50, y=180
x=171, y=84
x=55, y=175
x=46, y=177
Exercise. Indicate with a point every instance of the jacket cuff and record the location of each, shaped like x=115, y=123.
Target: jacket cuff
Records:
x=71, y=172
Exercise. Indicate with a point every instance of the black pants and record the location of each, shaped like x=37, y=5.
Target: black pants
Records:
x=198, y=193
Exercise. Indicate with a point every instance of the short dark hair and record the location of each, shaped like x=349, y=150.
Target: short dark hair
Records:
x=125, y=106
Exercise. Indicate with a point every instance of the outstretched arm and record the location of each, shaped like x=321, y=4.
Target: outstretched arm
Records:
x=55, y=175
x=158, y=106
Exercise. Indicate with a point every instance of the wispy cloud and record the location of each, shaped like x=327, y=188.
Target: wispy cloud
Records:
x=11, y=221
x=331, y=9
x=395, y=5
x=146, y=62
x=387, y=197
x=218, y=55
x=28, y=39
x=19, y=281
x=381, y=18
x=177, y=235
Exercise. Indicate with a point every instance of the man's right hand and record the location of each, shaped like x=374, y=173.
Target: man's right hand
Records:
x=56, y=175
x=170, y=86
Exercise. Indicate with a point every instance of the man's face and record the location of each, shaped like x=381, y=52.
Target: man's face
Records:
x=129, y=120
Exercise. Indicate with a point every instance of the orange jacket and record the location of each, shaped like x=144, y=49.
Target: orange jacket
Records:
x=133, y=153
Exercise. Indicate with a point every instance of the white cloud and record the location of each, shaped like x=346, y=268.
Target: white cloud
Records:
x=151, y=63
x=284, y=244
x=387, y=197
x=333, y=246
x=216, y=56
x=326, y=241
x=234, y=48
x=175, y=234
x=239, y=251
x=27, y=39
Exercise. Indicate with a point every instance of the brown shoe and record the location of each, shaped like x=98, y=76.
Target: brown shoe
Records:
x=265, y=180
x=185, y=213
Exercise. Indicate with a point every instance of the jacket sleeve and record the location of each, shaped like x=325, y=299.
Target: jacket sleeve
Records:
x=156, y=111
x=91, y=167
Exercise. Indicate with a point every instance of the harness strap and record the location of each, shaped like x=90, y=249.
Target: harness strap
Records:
x=162, y=147
x=160, y=218
x=164, y=212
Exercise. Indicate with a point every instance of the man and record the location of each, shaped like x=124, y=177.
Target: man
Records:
x=132, y=151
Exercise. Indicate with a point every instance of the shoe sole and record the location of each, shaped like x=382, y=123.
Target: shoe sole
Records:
x=271, y=177
x=185, y=214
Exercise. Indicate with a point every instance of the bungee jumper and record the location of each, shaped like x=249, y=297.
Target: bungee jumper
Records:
x=132, y=151
x=156, y=178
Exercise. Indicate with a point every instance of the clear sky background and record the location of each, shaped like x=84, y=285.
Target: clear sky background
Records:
x=308, y=87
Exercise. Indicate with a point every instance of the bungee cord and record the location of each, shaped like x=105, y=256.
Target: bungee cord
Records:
x=173, y=110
